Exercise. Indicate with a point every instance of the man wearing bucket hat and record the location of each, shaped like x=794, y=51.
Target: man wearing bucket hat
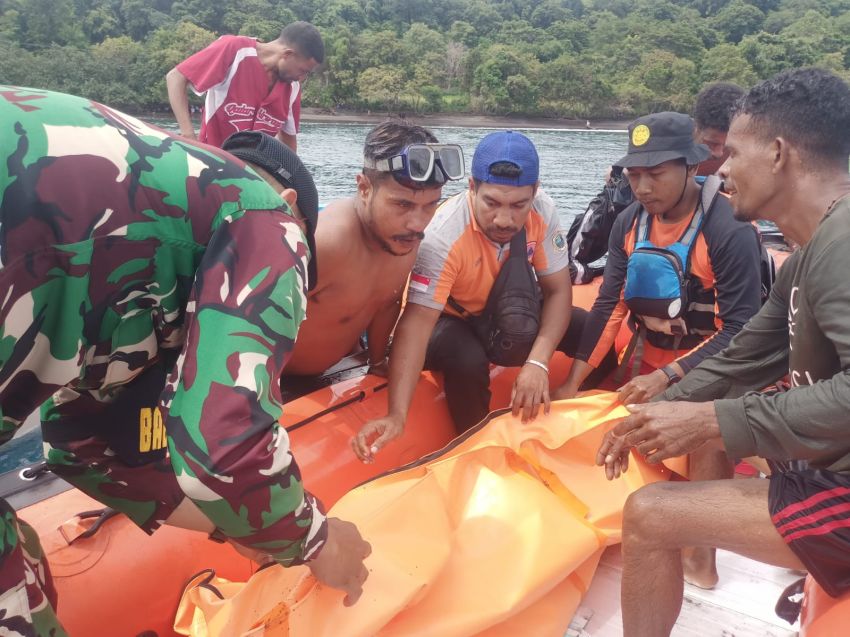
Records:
x=153, y=289
x=684, y=271
x=590, y=231
x=503, y=223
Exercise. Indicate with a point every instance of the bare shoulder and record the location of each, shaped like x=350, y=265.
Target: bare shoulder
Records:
x=334, y=232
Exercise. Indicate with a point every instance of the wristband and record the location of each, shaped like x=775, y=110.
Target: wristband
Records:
x=542, y=366
x=672, y=376
x=380, y=362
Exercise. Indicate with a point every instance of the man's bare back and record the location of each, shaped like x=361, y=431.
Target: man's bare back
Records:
x=358, y=282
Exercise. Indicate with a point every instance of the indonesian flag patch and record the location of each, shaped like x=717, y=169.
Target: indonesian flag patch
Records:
x=419, y=282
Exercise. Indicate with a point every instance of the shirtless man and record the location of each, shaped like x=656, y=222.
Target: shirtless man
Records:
x=367, y=245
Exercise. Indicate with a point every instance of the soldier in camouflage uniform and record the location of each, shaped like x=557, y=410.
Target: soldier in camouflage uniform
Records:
x=124, y=249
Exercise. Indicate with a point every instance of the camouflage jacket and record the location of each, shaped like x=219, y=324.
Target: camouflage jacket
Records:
x=119, y=241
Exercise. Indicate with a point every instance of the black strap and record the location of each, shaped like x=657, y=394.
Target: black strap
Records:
x=457, y=307
x=634, y=348
x=518, y=250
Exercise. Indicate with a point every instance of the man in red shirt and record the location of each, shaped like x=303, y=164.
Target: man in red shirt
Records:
x=249, y=85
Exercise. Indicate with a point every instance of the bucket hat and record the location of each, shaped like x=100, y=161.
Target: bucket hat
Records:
x=660, y=137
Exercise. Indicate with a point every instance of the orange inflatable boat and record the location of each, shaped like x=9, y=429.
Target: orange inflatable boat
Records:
x=88, y=555
x=114, y=580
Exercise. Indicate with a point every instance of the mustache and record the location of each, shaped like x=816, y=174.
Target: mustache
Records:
x=419, y=236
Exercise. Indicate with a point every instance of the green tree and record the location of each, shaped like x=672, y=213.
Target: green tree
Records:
x=420, y=41
x=118, y=81
x=549, y=12
x=661, y=82
x=738, y=19
x=818, y=32
x=486, y=19
x=570, y=87
x=10, y=27
x=726, y=63
x=140, y=18
x=505, y=81
x=382, y=85
x=101, y=22
x=44, y=23
x=20, y=73
x=464, y=33
x=207, y=15
x=341, y=12
x=375, y=48
x=769, y=54
x=573, y=34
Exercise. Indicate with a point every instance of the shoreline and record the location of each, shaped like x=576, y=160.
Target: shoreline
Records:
x=463, y=120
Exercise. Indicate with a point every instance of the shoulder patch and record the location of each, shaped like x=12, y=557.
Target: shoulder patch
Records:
x=419, y=282
x=559, y=242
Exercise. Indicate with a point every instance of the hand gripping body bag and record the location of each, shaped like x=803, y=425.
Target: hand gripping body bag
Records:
x=657, y=279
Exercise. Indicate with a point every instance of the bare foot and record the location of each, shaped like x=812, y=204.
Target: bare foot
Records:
x=699, y=567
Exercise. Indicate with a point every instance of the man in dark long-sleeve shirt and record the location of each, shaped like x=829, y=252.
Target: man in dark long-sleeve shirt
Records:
x=789, y=143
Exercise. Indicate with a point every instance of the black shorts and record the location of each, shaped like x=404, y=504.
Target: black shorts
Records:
x=811, y=510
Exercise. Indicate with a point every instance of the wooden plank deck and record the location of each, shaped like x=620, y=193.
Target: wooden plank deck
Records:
x=740, y=606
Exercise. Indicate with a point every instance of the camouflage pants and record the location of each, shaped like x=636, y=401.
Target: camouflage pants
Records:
x=27, y=595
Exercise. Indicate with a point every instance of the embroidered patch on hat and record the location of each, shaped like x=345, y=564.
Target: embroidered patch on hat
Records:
x=560, y=242
x=640, y=135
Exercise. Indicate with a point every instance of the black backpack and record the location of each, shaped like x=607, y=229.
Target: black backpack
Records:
x=510, y=321
x=588, y=235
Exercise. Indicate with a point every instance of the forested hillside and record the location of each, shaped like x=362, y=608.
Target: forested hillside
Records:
x=559, y=58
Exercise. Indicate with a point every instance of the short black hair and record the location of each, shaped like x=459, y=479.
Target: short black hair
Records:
x=809, y=107
x=506, y=169
x=714, y=105
x=304, y=38
x=389, y=138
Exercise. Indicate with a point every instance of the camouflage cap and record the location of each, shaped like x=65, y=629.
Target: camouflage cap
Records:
x=277, y=159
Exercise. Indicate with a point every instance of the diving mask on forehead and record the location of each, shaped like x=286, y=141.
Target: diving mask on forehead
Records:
x=422, y=164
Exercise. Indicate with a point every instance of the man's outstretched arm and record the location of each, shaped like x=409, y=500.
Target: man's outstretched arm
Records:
x=406, y=362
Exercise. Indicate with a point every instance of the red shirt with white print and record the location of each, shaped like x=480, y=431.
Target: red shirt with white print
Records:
x=237, y=94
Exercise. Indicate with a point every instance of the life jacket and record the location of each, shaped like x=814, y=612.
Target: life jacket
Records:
x=659, y=282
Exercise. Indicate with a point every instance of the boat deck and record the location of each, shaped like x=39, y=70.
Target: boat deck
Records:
x=740, y=606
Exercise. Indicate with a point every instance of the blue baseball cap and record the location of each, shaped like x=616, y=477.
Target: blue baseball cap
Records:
x=506, y=146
